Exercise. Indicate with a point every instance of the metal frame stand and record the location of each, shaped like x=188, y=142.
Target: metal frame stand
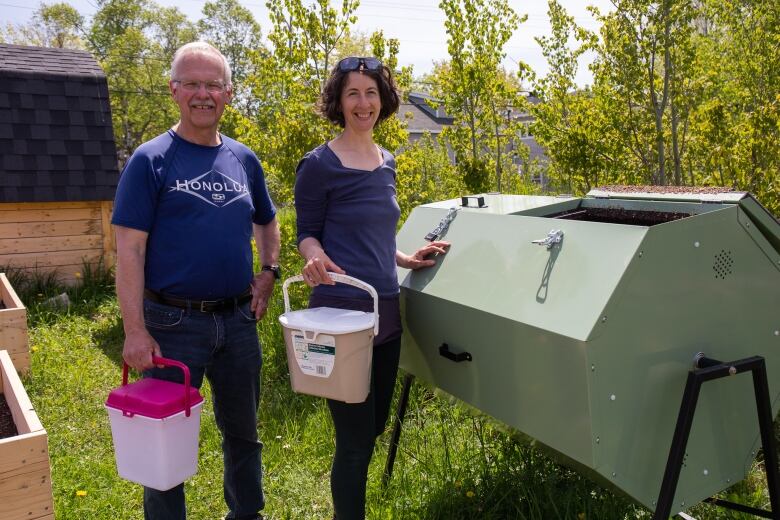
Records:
x=397, y=424
x=707, y=370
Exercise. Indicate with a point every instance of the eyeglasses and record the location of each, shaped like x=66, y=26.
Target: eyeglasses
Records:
x=355, y=63
x=190, y=85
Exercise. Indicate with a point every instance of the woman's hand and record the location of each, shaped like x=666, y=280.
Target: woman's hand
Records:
x=315, y=272
x=418, y=259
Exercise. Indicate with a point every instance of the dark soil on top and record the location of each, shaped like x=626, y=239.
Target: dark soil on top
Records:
x=620, y=216
x=7, y=426
x=698, y=190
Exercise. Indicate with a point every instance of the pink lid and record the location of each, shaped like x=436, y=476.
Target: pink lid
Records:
x=155, y=398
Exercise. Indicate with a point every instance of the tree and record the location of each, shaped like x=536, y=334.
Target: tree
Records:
x=52, y=25
x=134, y=41
x=232, y=29
x=475, y=91
x=641, y=59
x=305, y=42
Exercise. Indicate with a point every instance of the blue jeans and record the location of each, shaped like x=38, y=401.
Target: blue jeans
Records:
x=224, y=347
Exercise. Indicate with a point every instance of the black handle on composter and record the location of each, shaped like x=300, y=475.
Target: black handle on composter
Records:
x=464, y=201
x=444, y=351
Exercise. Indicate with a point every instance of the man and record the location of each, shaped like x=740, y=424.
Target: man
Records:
x=187, y=205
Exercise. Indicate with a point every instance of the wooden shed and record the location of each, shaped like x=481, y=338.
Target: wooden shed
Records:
x=58, y=164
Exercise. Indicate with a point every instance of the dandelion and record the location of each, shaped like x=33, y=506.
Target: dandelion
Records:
x=34, y=349
x=458, y=483
x=77, y=274
x=81, y=493
x=470, y=494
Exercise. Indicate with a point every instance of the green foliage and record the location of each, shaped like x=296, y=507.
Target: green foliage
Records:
x=425, y=175
x=232, y=29
x=134, y=41
x=476, y=92
x=52, y=25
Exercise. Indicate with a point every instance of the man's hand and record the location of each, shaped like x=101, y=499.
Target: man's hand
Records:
x=262, y=287
x=139, y=349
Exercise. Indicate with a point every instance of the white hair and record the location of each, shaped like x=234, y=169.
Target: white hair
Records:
x=199, y=48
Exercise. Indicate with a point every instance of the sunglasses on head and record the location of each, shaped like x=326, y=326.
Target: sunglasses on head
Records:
x=355, y=63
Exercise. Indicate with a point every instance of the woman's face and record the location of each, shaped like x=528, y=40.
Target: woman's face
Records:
x=360, y=102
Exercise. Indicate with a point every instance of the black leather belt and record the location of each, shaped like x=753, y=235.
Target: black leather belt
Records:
x=219, y=305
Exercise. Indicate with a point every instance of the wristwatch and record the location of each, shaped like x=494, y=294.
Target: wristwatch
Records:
x=274, y=269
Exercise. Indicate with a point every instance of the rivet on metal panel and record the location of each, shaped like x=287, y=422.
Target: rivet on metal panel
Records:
x=640, y=254
x=696, y=244
x=612, y=397
x=728, y=481
x=706, y=472
x=593, y=367
x=682, y=504
x=603, y=319
x=614, y=474
x=598, y=440
x=777, y=333
x=654, y=502
x=732, y=371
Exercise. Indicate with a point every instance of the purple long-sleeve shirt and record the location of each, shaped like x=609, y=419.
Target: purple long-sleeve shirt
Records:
x=353, y=214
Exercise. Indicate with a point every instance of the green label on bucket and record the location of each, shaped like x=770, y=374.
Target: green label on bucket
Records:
x=315, y=359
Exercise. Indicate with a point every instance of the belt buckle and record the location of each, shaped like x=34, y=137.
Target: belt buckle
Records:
x=203, y=304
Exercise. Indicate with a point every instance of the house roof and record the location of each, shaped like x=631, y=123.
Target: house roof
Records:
x=56, y=138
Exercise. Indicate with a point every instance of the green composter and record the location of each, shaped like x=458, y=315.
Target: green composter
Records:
x=578, y=320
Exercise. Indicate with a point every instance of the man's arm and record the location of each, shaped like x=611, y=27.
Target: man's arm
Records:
x=267, y=240
x=131, y=256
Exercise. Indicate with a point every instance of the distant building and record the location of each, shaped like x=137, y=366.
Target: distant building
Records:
x=423, y=113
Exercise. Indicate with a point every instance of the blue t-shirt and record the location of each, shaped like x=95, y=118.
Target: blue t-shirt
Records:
x=353, y=213
x=198, y=204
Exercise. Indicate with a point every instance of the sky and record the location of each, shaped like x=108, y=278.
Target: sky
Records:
x=417, y=24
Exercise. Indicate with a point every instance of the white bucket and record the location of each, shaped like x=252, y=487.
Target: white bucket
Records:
x=329, y=350
x=155, y=426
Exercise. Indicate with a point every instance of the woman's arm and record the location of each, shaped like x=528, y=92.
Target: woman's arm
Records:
x=418, y=259
x=318, y=263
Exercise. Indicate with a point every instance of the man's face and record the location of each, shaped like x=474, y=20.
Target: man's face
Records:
x=200, y=91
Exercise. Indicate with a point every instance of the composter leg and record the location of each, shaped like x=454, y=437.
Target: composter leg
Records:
x=713, y=369
x=676, y=453
x=398, y=423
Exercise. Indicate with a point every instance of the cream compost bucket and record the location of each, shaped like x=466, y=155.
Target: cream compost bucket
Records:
x=329, y=350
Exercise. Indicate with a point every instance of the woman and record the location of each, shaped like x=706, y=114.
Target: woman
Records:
x=347, y=214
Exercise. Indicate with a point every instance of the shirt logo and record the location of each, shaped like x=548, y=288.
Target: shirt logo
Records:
x=213, y=187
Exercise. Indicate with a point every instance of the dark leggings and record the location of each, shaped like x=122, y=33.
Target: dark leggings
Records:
x=357, y=427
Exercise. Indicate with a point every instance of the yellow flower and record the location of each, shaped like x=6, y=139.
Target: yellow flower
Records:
x=580, y=516
x=458, y=483
x=77, y=274
x=81, y=493
x=470, y=494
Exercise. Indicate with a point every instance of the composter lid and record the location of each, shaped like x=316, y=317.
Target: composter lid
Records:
x=328, y=320
x=153, y=398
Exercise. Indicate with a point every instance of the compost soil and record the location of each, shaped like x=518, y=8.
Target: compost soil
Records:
x=697, y=190
x=7, y=426
x=620, y=216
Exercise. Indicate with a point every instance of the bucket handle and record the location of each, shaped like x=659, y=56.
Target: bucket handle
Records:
x=341, y=278
x=168, y=363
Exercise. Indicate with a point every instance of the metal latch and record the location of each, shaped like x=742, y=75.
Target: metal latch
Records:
x=439, y=230
x=553, y=237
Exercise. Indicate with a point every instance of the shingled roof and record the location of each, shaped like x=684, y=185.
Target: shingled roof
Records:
x=56, y=139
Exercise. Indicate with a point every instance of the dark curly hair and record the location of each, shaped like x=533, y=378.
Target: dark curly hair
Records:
x=330, y=100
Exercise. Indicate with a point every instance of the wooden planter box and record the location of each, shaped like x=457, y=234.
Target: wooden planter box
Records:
x=13, y=326
x=25, y=473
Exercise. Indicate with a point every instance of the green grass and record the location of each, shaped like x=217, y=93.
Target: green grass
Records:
x=453, y=463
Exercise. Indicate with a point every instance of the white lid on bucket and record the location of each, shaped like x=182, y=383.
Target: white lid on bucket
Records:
x=327, y=320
